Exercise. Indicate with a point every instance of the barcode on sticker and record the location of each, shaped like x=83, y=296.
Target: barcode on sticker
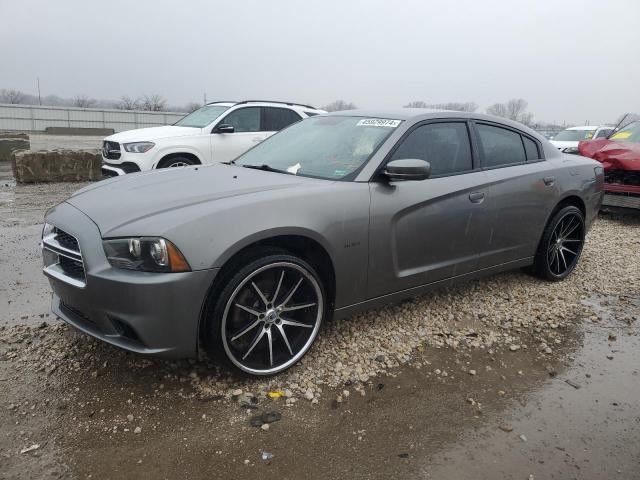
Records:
x=378, y=122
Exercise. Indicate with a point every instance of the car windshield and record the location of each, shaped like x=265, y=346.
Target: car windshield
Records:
x=630, y=133
x=202, y=117
x=574, y=135
x=329, y=147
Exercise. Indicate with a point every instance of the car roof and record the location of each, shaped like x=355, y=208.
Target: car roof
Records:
x=589, y=127
x=232, y=103
x=419, y=114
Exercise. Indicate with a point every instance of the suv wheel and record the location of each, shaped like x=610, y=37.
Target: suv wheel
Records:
x=175, y=162
x=268, y=314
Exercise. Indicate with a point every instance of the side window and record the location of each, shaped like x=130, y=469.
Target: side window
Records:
x=500, y=146
x=444, y=145
x=531, y=148
x=275, y=119
x=603, y=133
x=244, y=119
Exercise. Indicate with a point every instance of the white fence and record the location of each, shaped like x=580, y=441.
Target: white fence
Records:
x=33, y=118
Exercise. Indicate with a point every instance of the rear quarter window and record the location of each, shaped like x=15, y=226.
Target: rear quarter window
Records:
x=500, y=147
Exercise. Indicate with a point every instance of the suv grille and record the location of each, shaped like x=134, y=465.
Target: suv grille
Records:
x=111, y=150
x=62, y=258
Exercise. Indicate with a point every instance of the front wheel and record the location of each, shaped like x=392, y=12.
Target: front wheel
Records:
x=268, y=315
x=561, y=244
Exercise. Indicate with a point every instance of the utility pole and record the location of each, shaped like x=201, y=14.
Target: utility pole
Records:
x=39, y=98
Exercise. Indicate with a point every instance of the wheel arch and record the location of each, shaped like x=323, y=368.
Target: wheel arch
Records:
x=168, y=156
x=569, y=199
x=299, y=243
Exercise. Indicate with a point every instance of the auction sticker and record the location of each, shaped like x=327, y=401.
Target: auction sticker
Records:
x=378, y=122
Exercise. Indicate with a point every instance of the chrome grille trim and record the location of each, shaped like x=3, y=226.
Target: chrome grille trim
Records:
x=71, y=270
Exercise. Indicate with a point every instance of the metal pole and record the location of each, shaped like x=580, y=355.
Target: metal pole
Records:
x=39, y=98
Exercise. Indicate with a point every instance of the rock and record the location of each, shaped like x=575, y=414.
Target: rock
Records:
x=514, y=348
x=472, y=372
x=137, y=430
x=267, y=456
x=506, y=427
x=33, y=447
x=522, y=437
x=575, y=385
x=264, y=426
x=237, y=392
x=309, y=394
x=130, y=418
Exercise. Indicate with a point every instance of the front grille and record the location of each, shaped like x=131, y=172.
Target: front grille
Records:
x=66, y=240
x=63, y=258
x=623, y=177
x=73, y=268
x=111, y=150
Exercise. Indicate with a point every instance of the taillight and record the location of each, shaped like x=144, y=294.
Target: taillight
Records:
x=599, y=172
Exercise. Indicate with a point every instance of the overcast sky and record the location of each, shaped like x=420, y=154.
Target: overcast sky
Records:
x=571, y=60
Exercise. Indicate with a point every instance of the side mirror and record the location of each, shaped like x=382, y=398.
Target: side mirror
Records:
x=224, y=128
x=407, y=169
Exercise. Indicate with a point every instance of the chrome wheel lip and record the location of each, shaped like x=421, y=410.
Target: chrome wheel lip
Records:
x=178, y=164
x=308, y=343
x=559, y=243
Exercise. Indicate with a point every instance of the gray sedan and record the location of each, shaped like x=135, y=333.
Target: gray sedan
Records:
x=336, y=214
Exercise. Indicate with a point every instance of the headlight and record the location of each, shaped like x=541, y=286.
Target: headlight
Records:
x=138, y=147
x=571, y=150
x=47, y=229
x=147, y=254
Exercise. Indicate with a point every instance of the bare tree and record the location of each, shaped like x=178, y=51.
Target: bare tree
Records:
x=416, y=104
x=153, y=103
x=128, y=103
x=456, y=106
x=339, y=105
x=11, y=96
x=514, y=109
x=83, y=101
x=192, y=107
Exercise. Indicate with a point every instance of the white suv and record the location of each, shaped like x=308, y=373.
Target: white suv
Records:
x=567, y=140
x=217, y=132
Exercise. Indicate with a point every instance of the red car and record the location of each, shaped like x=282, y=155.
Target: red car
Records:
x=620, y=157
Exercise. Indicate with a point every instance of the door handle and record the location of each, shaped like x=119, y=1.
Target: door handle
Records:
x=549, y=181
x=476, y=197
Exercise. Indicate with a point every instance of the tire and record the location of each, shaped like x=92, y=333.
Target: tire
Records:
x=561, y=245
x=175, y=162
x=267, y=313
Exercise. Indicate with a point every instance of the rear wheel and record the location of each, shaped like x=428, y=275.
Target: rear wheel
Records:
x=561, y=244
x=267, y=315
x=175, y=162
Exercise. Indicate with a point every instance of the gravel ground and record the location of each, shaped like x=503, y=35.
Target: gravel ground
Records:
x=414, y=377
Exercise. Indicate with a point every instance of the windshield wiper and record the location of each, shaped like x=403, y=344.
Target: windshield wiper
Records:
x=266, y=168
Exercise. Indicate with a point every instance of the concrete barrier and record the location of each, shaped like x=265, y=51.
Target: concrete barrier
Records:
x=12, y=142
x=57, y=166
x=92, y=132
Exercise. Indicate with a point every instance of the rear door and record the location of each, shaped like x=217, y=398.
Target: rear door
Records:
x=246, y=122
x=275, y=119
x=425, y=231
x=522, y=192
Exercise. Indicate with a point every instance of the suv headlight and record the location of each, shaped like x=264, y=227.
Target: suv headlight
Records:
x=146, y=254
x=139, y=147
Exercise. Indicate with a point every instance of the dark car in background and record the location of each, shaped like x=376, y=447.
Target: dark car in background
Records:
x=620, y=157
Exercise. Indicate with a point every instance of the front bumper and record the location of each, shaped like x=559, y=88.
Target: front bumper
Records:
x=150, y=313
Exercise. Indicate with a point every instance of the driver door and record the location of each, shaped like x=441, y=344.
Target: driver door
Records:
x=430, y=230
x=246, y=122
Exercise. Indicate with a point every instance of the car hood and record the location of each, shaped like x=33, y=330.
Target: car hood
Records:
x=613, y=154
x=561, y=145
x=153, y=133
x=122, y=201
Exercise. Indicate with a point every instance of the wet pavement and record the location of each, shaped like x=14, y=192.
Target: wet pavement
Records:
x=495, y=413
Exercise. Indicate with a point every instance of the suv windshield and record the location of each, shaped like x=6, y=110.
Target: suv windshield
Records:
x=630, y=133
x=322, y=147
x=574, y=135
x=202, y=117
